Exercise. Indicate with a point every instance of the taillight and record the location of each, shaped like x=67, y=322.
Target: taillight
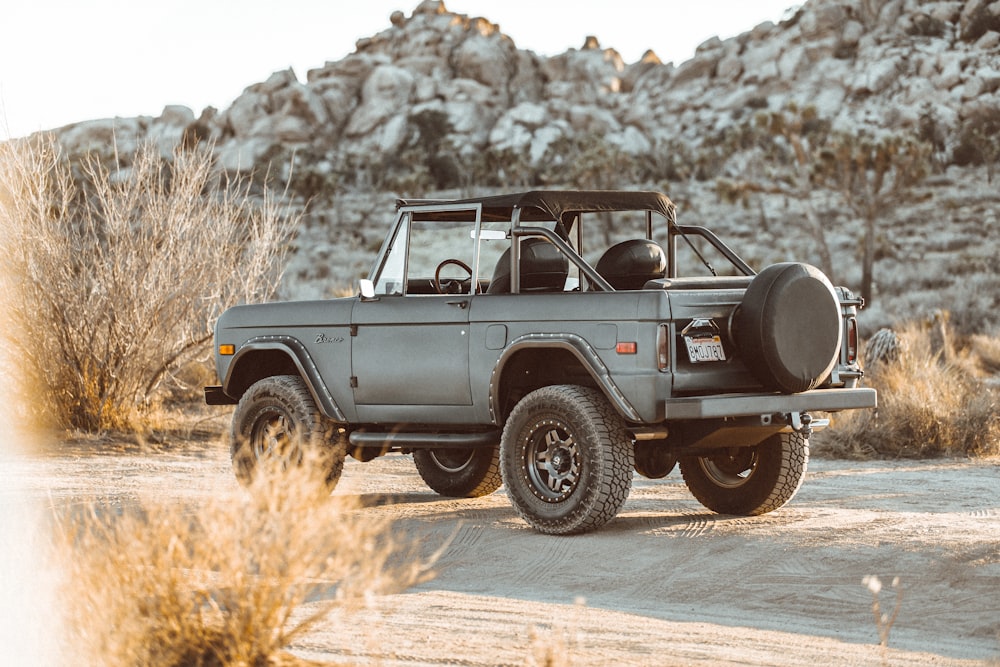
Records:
x=662, y=348
x=852, y=340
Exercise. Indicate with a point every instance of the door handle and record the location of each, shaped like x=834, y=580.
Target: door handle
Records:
x=461, y=304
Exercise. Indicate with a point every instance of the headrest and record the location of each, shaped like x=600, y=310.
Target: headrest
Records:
x=543, y=267
x=630, y=264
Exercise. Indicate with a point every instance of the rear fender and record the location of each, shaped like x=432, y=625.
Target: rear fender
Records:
x=580, y=349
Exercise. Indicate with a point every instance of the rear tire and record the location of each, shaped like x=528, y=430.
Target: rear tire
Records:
x=748, y=481
x=460, y=473
x=277, y=428
x=566, y=459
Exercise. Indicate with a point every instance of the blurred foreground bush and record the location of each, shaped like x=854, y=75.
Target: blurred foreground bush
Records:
x=112, y=274
x=231, y=581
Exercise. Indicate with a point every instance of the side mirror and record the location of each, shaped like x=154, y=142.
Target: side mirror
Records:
x=367, y=289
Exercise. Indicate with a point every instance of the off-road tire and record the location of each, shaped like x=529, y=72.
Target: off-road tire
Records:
x=566, y=459
x=277, y=427
x=748, y=481
x=460, y=473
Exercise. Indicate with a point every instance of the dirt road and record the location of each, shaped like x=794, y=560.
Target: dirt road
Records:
x=666, y=583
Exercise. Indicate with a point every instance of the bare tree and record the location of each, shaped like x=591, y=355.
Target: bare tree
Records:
x=784, y=146
x=872, y=176
x=979, y=140
x=113, y=273
x=799, y=157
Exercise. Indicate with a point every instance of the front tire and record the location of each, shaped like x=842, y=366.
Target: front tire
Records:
x=566, y=459
x=749, y=481
x=277, y=428
x=460, y=473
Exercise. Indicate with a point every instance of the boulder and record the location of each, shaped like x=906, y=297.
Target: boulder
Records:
x=483, y=59
x=386, y=90
x=729, y=68
x=820, y=19
x=699, y=67
x=242, y=154
x=877, y=77
x=631, y=140
x=760, y=61
x=977, y=18
x=175, y=115
x=302, y=102
x=241, y=117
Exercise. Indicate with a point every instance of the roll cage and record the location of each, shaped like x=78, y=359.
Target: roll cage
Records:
x=556, y=215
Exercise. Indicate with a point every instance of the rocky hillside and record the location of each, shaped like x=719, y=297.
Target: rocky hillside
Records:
x=443, y=103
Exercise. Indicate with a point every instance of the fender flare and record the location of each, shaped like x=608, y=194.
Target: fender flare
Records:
x=579, y=348
x=297, y=352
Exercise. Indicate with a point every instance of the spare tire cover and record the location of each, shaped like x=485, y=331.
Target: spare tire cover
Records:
x=788, y=327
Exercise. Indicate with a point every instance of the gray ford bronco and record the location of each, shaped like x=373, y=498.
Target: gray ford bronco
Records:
x=554, y=342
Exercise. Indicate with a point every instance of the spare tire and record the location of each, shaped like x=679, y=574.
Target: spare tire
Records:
x=788, y=327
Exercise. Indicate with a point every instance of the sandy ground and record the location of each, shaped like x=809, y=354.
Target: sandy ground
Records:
x=666, y=583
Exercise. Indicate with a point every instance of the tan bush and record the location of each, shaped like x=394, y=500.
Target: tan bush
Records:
x=932, y=402
x=115, y=273
x=986, y=351
x=222, y=583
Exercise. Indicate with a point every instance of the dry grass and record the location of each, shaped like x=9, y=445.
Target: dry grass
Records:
x=115, y=271
x=986, y=351
x=219, y=584
x=933, y=401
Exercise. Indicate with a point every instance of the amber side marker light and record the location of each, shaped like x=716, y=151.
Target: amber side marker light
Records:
x=626, y=348
x=227, y=350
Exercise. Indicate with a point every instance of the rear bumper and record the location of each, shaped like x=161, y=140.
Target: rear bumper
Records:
x=744, y=405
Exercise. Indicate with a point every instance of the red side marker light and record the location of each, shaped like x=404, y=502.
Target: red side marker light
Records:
x=626, y=348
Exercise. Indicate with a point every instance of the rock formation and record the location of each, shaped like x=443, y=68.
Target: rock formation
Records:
x=440, y=100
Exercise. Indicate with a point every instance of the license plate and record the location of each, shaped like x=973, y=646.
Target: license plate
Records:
x=704, y=348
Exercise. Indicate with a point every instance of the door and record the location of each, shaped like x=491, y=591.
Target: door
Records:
x=412, y=350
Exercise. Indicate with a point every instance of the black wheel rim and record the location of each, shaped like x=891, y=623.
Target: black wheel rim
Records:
x=452, y=460
x=552, y=460
x=271, y=439
x=730, y=470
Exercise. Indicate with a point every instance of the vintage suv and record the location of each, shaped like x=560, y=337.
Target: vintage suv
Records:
x=552, y=341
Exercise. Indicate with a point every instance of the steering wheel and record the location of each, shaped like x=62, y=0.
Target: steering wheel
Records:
x=450, y=286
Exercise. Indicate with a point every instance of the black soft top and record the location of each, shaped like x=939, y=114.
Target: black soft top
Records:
x=540, y=205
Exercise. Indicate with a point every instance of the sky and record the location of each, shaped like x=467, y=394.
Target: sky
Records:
x=65, y=61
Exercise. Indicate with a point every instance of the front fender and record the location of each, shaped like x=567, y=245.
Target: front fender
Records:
x=264, y=356
x=579, y=348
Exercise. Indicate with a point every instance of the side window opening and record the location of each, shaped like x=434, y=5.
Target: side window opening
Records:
x=431, y=252
x=391, y=278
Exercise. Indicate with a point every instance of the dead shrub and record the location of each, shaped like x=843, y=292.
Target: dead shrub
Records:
x=986, y=350
x=114, y=273
x=222, y=583
x=932, y=402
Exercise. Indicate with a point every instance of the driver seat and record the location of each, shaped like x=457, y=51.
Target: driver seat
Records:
x=543, y=268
